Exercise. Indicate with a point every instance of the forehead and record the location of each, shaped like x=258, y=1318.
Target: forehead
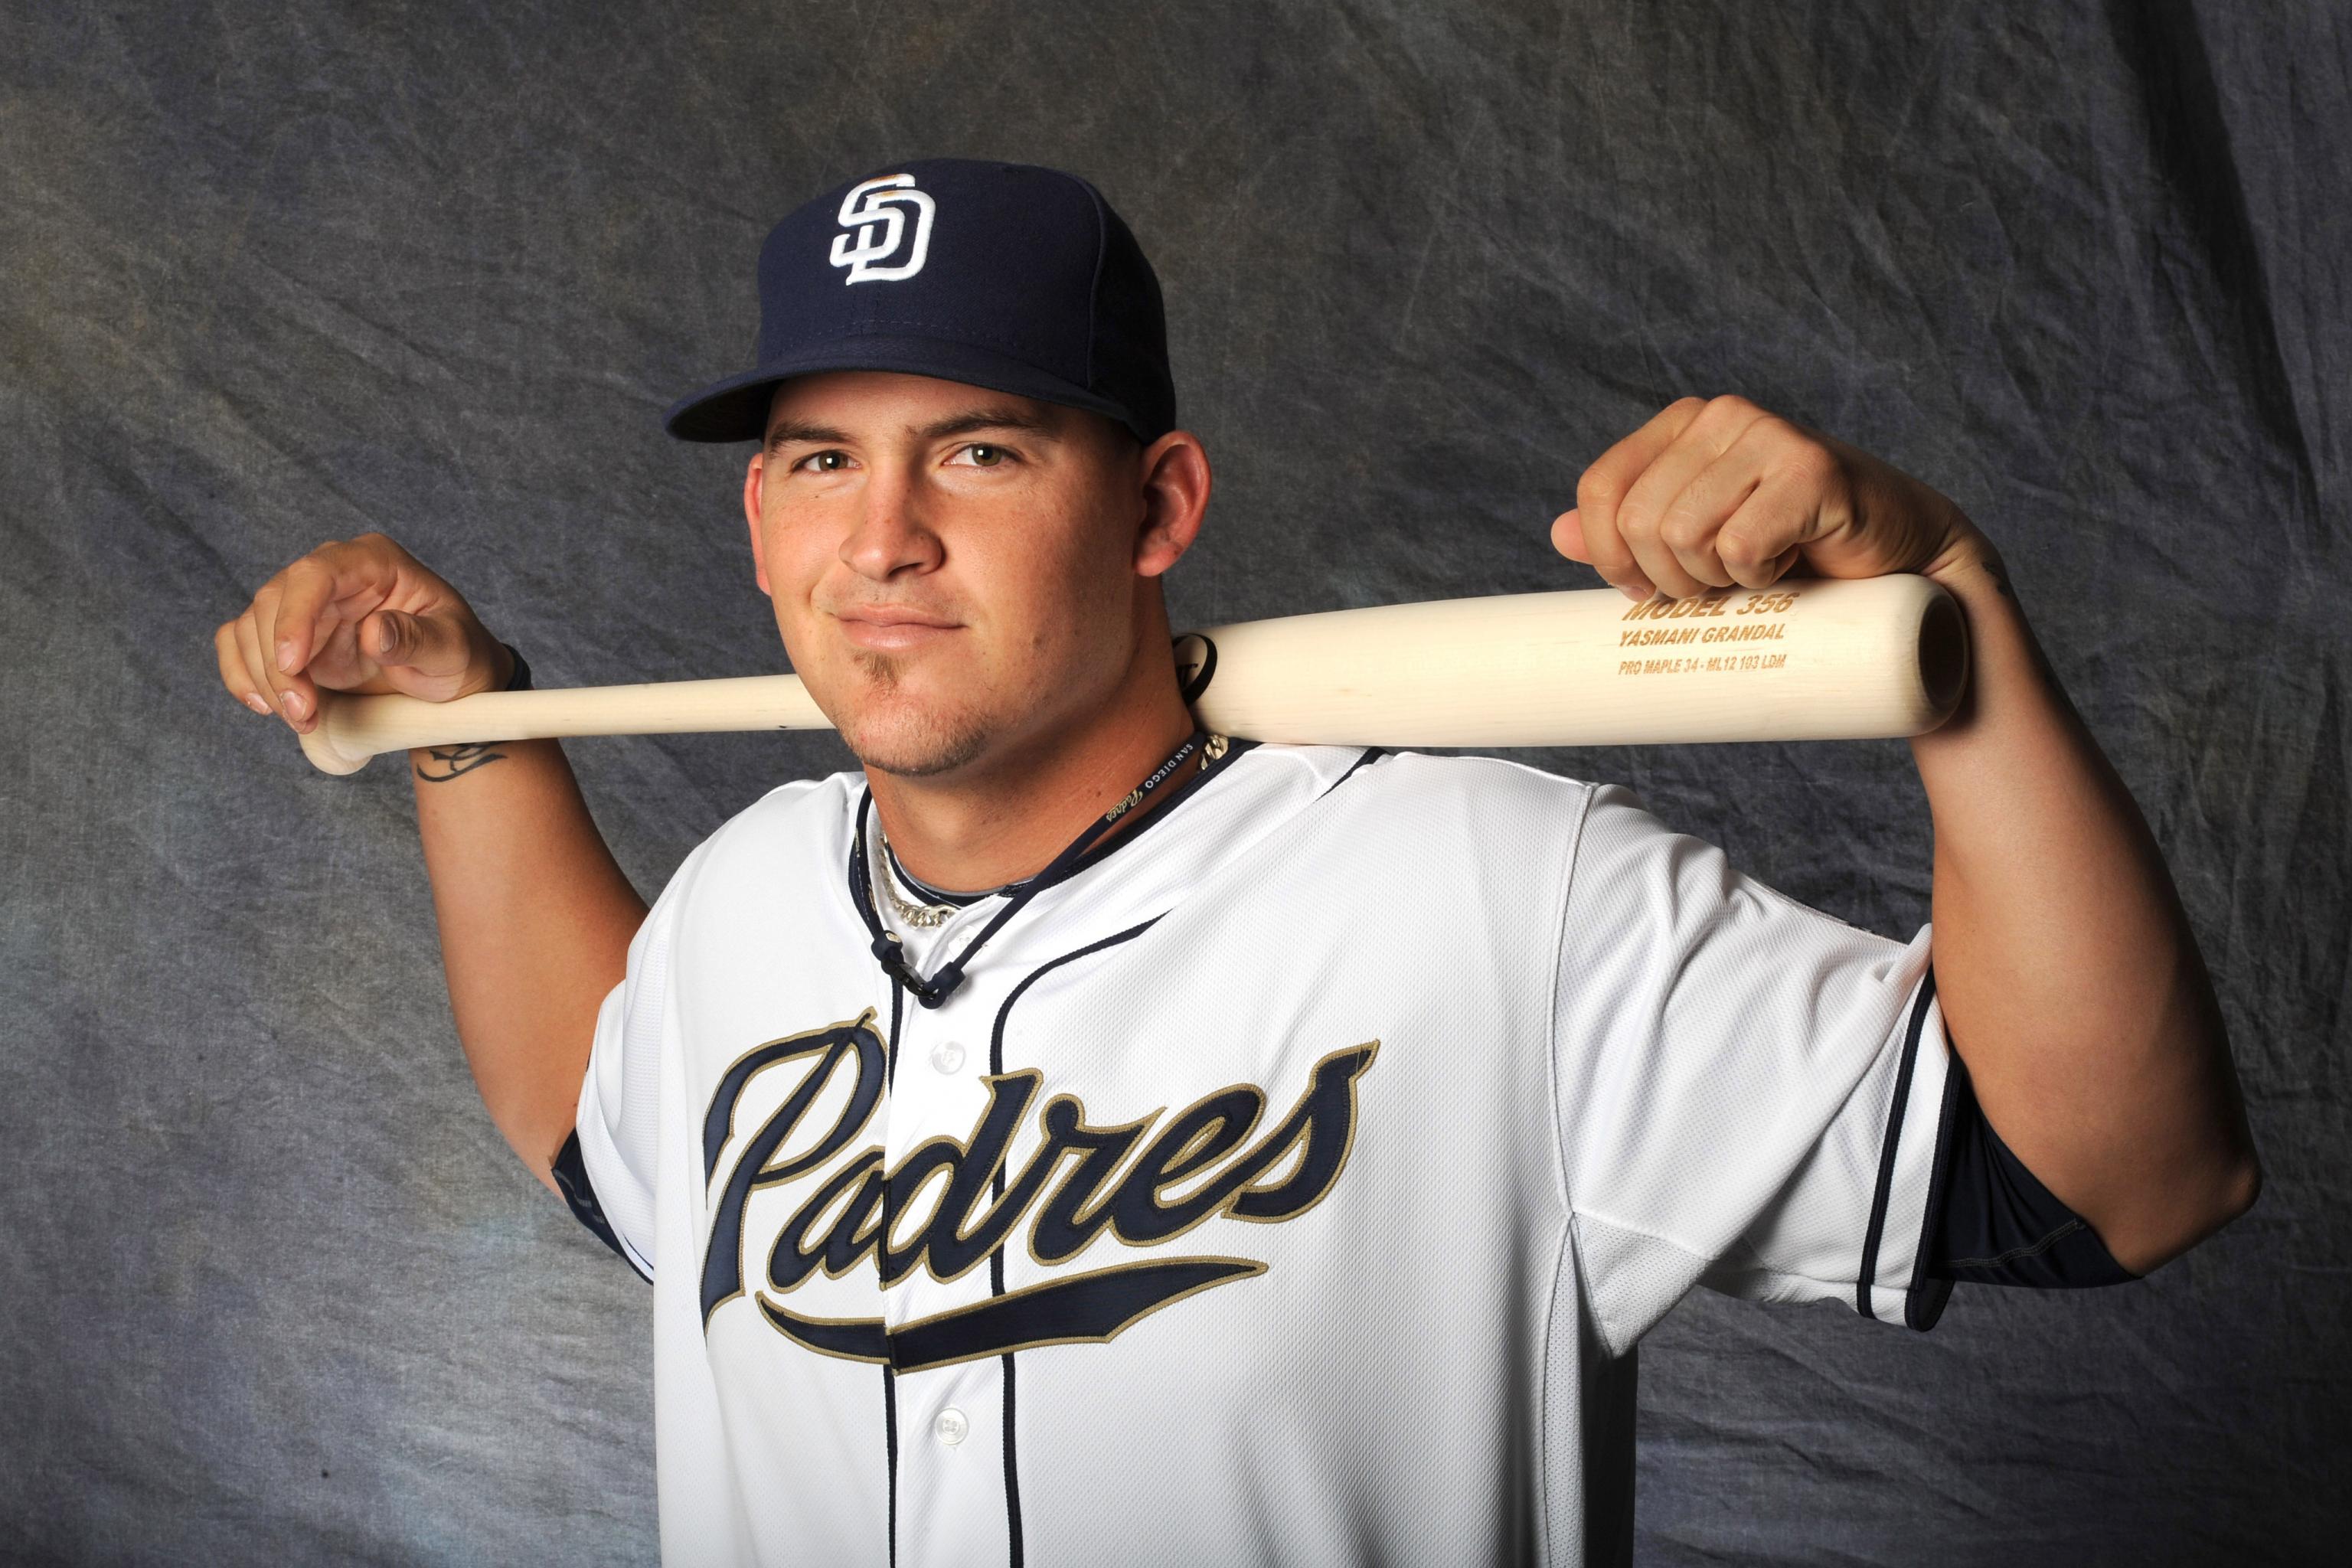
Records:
x=879, y=401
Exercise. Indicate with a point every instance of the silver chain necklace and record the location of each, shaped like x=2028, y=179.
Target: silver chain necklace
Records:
x=923, y=915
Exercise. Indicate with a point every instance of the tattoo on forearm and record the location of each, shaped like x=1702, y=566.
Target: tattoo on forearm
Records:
x=448, y=762
x=2000, y=575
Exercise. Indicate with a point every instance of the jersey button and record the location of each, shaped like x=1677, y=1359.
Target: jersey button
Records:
x=951, y=1426
x=948, y=1057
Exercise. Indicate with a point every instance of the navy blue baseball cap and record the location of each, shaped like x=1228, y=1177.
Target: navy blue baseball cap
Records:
x=1006, y=276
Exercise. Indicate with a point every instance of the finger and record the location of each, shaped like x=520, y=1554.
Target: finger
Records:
x=1662, y=506
x=1666, y=537
x=295, y=703
x=1693, y=537
x=1602, y=488
x=233, y=672
x=1765, y=536
x=1568, y=536
x=1656, y=560
x=291, y=605
x=339, y=581
x=292, y=695
x=1692, y=525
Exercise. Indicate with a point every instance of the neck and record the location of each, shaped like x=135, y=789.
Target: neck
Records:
x=1006, y=815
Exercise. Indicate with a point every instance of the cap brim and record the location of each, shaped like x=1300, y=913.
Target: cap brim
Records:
x=736, y=409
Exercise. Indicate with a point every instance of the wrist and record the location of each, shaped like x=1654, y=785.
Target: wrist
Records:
x=1970, y=566
x=498, y=668
x=517, y=671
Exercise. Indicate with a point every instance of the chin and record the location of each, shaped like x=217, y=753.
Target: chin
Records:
x=893, y=730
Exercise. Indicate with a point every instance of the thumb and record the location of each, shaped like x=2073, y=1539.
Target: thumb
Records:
x=1568, y=536
x=423, y=656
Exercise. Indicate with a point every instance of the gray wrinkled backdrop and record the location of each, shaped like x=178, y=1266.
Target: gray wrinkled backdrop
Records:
x=274, y=1290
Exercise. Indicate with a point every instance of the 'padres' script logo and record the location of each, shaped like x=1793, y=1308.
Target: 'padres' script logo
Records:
x=871, y=212
x=1078, y=1182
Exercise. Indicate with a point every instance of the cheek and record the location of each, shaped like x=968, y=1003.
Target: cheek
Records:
x=1071, y=599
x=793, y=569
x=795, y=554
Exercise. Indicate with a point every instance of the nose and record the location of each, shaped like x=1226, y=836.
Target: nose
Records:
x=890, y=536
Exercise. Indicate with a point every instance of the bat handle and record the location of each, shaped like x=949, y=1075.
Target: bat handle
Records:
x=321, y=744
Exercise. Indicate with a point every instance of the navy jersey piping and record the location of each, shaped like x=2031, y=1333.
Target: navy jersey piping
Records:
x=889, y=1373
x=1868, y=1273
x=932, y=895
x=996, y=1258
x=1072, y=864
x=1925, y=1299
x=1135, y=831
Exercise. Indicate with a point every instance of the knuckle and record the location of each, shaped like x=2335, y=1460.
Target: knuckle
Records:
x=1808, y=460
x=1683, y=527
x=1730, y=404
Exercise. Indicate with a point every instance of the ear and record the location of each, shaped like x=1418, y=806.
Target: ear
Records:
x=1175, y=493
x=754, y=482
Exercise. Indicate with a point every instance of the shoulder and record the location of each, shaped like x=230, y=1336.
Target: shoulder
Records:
x=795, y=827
x=1429, y=811
x=1379, y=783
x=802, y=809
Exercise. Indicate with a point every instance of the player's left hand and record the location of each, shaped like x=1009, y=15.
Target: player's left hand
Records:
x=1715, y=492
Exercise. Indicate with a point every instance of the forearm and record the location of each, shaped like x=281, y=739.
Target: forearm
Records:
x=2071, y=984
x=535, y=917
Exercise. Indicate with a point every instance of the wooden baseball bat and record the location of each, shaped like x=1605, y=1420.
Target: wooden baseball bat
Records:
x=1806, y=659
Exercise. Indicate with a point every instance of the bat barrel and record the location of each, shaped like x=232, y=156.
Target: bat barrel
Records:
x=1812, y=658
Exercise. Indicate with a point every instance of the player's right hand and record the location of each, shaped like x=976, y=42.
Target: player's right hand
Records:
x=359, y=615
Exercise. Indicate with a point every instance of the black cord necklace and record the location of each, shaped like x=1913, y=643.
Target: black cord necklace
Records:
x=1213, y=751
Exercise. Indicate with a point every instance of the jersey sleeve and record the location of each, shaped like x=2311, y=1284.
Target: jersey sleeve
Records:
x=605, y=1169
x=1749, y=1092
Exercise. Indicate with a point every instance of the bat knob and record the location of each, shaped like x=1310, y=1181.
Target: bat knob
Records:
x=320, y=744
x=1943, y=655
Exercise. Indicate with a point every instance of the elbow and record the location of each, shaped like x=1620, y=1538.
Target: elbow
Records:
x=2241, y=1187
x=2231, y=1193
x=2196, y=1213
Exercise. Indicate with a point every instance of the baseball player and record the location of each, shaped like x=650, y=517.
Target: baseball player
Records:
x=1073, y=1136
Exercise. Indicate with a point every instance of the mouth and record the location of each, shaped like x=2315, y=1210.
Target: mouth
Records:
x=892, y=628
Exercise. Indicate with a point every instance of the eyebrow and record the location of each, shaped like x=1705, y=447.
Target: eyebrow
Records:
x=1002, y=417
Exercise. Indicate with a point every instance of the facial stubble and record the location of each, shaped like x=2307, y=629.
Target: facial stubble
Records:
x=922, y=743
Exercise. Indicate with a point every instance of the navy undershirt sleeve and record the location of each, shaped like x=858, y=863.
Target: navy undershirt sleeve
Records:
x=571, y=1175
x=1994, y=1222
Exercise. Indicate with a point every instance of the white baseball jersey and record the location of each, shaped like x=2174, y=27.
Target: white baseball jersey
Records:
x=1285, y=1187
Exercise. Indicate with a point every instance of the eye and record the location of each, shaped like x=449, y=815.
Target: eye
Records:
x=984, y=454
x=830, y=461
